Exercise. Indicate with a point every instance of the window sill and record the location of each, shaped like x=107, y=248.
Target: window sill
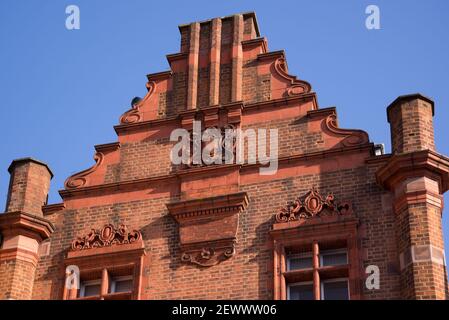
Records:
x=110, y=296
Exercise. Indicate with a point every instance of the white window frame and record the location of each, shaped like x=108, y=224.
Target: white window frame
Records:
x=89, y=283
x=299, y=255
x=113, y=280
x=297, y=284
x=329, y=252
x=334, y=280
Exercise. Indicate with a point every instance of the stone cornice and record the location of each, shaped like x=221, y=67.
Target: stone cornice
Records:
x=142, y=183
x=293, y=229
x=271, y=55
x=256, y=42
x=52, y=208
x=176, y=56
x=135, y=249
x=115, y=186
x=419, y=163
x=107, y=147
x=136, y=126
x=159, y=75
x=231, y=203
x=281, y=101
x=21, y=223
x=250, y=14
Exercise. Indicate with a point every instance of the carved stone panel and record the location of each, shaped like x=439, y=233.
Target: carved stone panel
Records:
x=310, y=205
x=208, y=227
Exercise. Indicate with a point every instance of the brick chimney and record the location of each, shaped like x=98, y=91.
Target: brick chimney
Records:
x=28, y=187
x=418, y=177
x=23, y=227
x=411, y=123
x=215, y=58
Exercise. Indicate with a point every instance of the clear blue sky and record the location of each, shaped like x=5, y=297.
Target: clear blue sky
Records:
x=62, y=91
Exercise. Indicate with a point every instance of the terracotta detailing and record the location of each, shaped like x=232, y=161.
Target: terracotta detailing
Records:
x=104, y=253
x=237, y=58
x=22, y=233
x=223, y=231
x=418, y=177
x=107, y=236
x=23, y=228
x=192, y=88
x=208, y=227
x=310, y=205
x=215, y=52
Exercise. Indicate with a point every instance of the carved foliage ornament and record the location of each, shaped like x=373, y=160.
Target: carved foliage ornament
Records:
x=210, y=255
x=105, y=237
x=310, y=205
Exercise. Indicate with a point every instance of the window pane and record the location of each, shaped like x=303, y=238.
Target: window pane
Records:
x=334, y=258
x=301, y=292
x=337, y=290
x=124, y=285
x=299, y=262
x=92, y=290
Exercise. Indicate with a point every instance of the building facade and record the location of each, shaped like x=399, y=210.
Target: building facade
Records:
x=337, y=219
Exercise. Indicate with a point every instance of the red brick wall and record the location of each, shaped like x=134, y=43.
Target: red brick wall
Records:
x=314, y=151
x=16, y=279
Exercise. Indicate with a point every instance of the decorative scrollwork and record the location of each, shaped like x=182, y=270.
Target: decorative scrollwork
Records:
x=297, y=86
x=209, y=256
x=310, y=205
x=352, y=136
x=134, y=114
x=79, y=179
x=105, y=237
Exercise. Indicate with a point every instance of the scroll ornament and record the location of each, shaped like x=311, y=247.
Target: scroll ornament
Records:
x=209, y=256
x=105, y=237
x=297, y=87
x=310, y=205
x=79, y=179
x=134, y=114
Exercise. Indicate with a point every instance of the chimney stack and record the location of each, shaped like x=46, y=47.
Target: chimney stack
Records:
x=23, y=227
x=411, y=123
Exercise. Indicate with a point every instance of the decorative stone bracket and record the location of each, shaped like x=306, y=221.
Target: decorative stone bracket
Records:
x=208, y=227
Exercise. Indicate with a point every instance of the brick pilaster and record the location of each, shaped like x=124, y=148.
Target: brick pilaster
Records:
x=192, y=89
x=237, y=59
x=215, y=52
